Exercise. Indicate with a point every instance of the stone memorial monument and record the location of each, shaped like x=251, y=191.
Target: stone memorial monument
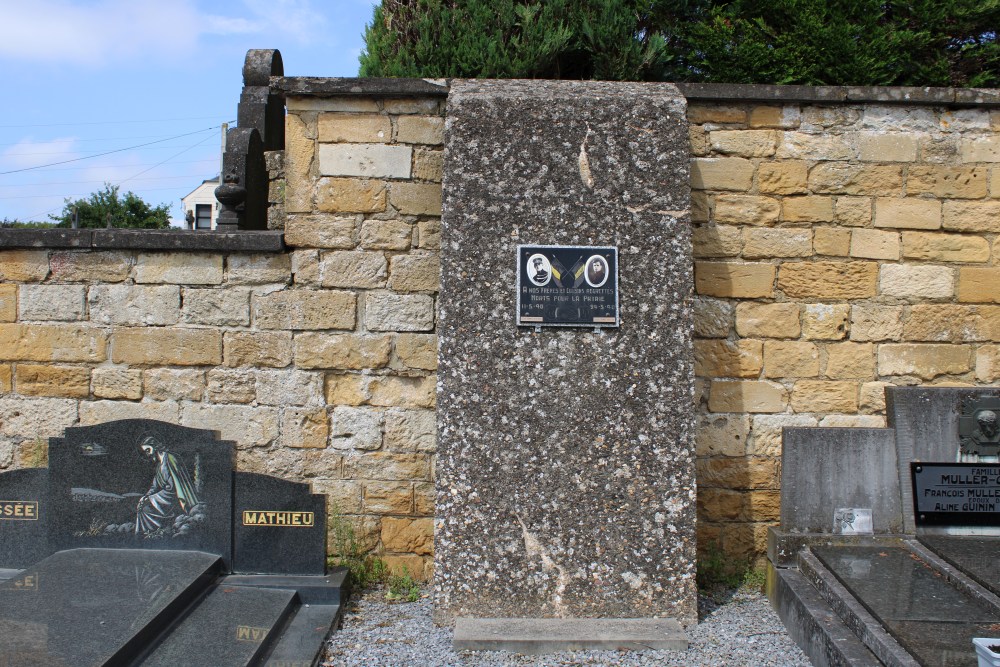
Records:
x=565, y=475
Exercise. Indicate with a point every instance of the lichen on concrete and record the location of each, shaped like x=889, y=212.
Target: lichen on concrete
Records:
x=565, y=471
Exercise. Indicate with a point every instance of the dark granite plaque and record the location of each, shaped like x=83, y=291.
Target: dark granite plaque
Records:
x=956, y=494
x=24, y=513
x=141, y=483
x=567, y=286
x=279, y=526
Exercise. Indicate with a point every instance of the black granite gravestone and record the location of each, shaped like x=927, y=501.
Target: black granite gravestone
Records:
x=279, y=527
x=141, y=483
x=124, y=538
x=144, y=484
x=24, y=515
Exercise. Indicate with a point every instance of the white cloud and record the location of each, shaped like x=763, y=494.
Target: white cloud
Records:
x=96, y=33
x=30, y=153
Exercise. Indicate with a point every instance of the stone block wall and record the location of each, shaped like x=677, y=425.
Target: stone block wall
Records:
x=318, y=360
x=838, y=248
x=363, y=207
x=281, y=353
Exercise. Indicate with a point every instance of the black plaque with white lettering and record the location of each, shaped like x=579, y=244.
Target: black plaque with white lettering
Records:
x=956, y=494
x=567, y=286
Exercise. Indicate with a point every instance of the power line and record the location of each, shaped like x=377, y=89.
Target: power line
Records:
x=112, y=122
x=195, y=145
x=118, y=150
x=214, y=160
x=81, y=141
x=9, y=155
x=82, y=194
x=99, y=181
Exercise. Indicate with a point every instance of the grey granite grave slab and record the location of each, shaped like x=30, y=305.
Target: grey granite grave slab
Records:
x=549, y=635
x=565, y=471
x=813, y=623
x=823, y=469
x=932, y=619
x=233, y=626
x=977, y=556
x=925, y=420
x=278, y=526
x=86, y=607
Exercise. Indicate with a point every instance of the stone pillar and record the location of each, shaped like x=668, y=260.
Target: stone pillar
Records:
x=565, y=472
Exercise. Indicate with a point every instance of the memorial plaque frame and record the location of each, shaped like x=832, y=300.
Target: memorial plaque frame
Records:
x=948, y=502
x=587, y=294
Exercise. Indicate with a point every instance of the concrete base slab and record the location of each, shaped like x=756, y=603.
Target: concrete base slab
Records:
x=549, y=635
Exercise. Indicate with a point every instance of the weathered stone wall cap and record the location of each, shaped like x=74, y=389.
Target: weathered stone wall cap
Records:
x=531, y=89
x=719, y=92
x=735, y=92
x=311, y=86
x=143, y=239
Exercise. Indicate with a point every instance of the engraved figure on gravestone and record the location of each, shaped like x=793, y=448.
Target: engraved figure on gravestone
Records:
x=539, y=270
x=979, y=426
x=171, y=503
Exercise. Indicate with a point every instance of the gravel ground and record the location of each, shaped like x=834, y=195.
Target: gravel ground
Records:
x=740, y=630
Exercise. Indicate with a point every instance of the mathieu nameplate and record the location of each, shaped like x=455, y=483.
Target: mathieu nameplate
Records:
x=567, y=286
x=281, y=519
x=956, y=494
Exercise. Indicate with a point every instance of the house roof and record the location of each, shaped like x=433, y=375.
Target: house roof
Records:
x=207, y=180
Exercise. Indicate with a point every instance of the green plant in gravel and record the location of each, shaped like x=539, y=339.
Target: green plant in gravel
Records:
x=718, y=573
x=366, y=569
x=402, y=587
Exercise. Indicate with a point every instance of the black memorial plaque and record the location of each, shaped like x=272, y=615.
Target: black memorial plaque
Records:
x=956, y=494
x=569, y=286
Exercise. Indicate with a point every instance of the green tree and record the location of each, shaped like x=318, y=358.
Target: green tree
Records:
x=845, y=42
x=124, y=211
x=813, y=42
x=7, y=223
x=564, y=39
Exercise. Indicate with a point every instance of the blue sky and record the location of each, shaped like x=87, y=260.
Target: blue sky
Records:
x=85, y=77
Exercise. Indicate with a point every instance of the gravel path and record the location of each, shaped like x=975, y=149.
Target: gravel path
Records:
x=743, y=630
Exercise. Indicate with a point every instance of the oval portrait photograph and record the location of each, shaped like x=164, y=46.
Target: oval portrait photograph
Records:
x=597, y=271
x=539, y=270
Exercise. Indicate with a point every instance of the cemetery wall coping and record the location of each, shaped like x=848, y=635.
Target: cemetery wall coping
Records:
x=143, y=239
x=701, y=92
